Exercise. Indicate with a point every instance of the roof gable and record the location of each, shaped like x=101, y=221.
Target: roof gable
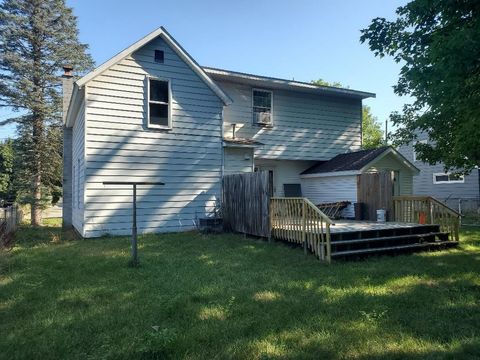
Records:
x=160, y=32
x=346, y=162
x=356, y=161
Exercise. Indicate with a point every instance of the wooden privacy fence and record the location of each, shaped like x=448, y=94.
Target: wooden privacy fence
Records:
x=9, y=219
x=427, y=210
x=245, y=203
x=298, y=220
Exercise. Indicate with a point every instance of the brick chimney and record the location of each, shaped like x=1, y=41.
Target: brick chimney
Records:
x=67, y=196
x=67, y=88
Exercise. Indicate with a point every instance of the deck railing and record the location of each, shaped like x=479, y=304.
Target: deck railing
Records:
x=427, y=210
x=298, y=220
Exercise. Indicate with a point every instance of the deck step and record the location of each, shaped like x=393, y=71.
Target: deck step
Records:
x=387, y=238
x=395, y=248
x=375, y=233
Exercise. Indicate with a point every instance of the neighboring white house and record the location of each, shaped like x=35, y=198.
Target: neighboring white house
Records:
x=151, y=113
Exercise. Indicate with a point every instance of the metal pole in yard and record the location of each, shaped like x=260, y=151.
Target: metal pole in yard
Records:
x=134, y=227
x=134, y=261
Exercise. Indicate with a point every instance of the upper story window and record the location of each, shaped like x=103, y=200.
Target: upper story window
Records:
x=159, y=112
x=262, y=107
x=159, y=56
x=447, y=178
x=414, y=152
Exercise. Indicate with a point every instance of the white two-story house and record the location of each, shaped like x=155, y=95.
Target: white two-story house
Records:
x=151, y=113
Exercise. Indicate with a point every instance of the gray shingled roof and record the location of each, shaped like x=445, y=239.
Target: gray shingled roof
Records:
x=346, y=162
x=276, y=83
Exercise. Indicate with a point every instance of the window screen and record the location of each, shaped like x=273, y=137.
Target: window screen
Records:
x=159, y=103
x=159, y=56
x=262, y=107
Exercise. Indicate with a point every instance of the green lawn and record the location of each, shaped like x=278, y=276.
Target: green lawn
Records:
x=225, y=296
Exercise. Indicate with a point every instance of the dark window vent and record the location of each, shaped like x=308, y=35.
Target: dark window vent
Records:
x=159, y=56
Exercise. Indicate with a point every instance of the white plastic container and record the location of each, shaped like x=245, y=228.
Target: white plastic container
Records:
x=381, y=215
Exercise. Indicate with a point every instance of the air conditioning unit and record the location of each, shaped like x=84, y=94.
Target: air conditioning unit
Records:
x=263, y=118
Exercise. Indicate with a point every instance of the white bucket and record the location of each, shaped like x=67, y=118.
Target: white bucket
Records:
x=381, y=215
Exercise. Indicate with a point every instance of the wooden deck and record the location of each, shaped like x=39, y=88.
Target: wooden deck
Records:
x=299, y=221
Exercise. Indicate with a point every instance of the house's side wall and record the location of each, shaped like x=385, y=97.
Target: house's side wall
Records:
x=468, y=192
x=78, y=170
x=120, y=147
x=238, y=160
x=67, y=178
x=389, y=162
x=332, y=189
x=284, y=172
x=305, y=126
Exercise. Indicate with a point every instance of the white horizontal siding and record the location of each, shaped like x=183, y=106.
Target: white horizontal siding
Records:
x=238, y=160
x=305, y=126
x=284, y=172
x=332, y=189
x=120, y=147
x=78, y=164
x=423, y=183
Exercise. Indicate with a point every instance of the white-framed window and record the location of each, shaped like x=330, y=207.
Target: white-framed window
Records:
x=159, y=103
x=262, y=104
x=448, y=178
x=414, y=152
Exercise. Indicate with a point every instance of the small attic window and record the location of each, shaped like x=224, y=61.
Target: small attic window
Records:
x=159, y=56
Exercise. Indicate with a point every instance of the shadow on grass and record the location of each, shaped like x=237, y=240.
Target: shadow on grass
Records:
x=224, y=296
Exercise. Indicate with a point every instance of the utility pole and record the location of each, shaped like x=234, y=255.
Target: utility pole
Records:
x=386, y=132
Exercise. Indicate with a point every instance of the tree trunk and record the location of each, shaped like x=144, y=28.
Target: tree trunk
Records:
x=38, y=117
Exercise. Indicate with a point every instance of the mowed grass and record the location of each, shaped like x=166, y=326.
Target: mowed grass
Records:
x=226, y=296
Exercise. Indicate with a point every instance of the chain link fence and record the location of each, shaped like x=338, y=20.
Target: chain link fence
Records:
x=468, y=207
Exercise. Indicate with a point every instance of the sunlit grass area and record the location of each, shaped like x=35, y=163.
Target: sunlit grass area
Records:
x=226, y=296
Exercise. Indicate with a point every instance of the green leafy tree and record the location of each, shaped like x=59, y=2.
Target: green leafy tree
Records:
x=37, y=37
x=6, y=170
x=371, y=130
x=321, y=82
x=372, y=134
x=438, y=44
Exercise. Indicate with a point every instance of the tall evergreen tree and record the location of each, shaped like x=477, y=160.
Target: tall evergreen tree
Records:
x=37, y=37
x=6, y=170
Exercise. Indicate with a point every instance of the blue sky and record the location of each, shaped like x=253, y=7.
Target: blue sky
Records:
x=302, y=39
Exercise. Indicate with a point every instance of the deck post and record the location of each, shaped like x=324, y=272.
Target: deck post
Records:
x=430, y=205
x=304, y=232
x=270, y=219
x=329, y=248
